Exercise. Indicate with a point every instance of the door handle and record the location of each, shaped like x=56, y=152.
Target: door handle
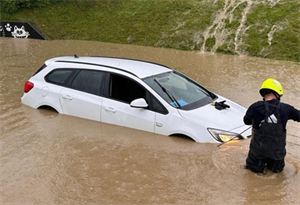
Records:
x=67, y=97
x=159, y=124
x=110, y=109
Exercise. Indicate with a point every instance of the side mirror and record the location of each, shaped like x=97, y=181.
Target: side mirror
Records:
x=139, y=103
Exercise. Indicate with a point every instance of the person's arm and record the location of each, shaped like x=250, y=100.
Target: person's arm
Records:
x=294, y=114
x=248, y=118
x=247, y=121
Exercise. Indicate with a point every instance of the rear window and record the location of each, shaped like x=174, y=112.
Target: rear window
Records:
x=41, y=68
x=58, y=76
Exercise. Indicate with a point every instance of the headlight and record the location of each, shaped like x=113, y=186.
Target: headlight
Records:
x=223, y=136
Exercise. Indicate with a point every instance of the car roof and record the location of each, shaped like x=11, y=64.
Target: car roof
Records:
x=139, y=68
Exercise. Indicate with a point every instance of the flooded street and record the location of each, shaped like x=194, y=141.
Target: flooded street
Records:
x=52, y=159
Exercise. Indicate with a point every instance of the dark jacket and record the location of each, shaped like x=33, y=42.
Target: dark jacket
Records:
x=256, y=113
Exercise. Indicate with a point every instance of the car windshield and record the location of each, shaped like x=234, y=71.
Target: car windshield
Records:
x=179, y=91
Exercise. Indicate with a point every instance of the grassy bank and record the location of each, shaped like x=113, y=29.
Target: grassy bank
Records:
x=264, y=29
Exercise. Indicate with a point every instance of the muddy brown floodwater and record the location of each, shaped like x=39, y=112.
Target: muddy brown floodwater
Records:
x=52, y=159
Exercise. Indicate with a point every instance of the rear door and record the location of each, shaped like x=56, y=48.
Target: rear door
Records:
x=82, y=97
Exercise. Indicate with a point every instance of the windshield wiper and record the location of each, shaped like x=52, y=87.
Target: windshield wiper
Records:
x=168, y=94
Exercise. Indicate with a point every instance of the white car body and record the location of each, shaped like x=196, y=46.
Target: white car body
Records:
x=171, y=120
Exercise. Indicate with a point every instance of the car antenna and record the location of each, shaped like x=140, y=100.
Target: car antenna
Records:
x=75, y=56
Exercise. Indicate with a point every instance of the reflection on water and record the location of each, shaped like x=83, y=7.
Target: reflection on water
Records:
x=47, y=158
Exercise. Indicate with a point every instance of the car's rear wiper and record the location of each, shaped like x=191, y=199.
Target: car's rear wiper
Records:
x=168, y=94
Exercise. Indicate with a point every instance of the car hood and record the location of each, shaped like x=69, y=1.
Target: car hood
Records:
x=229, y=119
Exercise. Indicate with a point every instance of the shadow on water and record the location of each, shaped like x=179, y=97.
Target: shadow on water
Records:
x=48, y=158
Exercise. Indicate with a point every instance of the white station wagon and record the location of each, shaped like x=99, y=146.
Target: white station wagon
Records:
x=135, y=94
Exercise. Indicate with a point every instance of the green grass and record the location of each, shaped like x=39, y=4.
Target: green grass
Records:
x=177, y=24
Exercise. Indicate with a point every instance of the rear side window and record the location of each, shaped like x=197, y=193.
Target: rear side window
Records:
x=58, y=76
x=88, y=81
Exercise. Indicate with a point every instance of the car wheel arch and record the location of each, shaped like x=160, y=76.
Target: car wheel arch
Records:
x=49, y=107
x=183, y=136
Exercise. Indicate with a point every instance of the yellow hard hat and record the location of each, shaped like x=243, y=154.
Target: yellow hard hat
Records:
x=271, y=84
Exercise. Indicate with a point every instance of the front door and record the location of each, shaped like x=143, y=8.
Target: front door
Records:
x=116, y=106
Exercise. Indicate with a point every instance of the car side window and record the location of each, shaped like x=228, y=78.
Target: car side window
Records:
x=58, y=76
x=88, y=81
x=156, y=106
x=125, y=89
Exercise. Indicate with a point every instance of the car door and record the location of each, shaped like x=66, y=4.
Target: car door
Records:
x=116, y=107
x=82, y=97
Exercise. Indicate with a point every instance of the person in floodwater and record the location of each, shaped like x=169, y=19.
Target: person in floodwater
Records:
x=268, y=119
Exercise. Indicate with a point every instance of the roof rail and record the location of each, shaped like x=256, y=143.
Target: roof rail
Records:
x=95, y=64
